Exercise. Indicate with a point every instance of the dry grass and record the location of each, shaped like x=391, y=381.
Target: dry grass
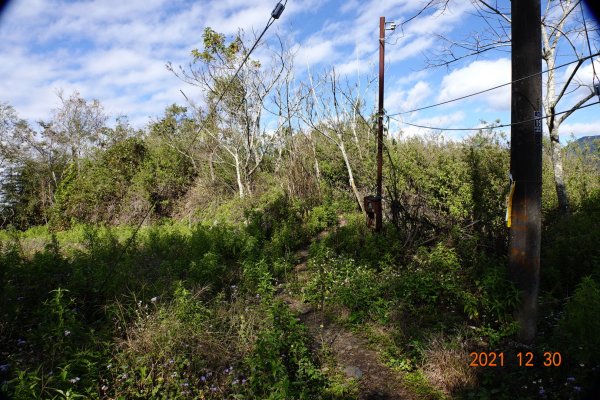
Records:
x=225, y=334
x=446, y=363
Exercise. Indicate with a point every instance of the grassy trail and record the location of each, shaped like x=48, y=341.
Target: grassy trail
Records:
x=348, y=351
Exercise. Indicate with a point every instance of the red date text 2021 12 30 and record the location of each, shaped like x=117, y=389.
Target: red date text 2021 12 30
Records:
x=494, y=359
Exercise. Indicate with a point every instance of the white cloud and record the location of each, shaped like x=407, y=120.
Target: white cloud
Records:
x=403, y=100
x=314, y=53
x=116, y=50
x=583, y=76
x=409, y=49
x=478, y=76
x=353, y=68
x=412, y=77
x=580, y=129
x=113, y=50
x=357, y=38
x=439, y=121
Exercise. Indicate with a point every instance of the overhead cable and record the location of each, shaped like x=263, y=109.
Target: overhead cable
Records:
x=595, y=80
x=489, y=127
x=275, y=14
x=493, y=88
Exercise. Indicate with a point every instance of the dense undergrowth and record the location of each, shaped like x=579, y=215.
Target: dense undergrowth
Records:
x=186, y=307
x=178, y=312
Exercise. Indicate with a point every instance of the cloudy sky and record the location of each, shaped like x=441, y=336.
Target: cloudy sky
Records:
x=116, y=51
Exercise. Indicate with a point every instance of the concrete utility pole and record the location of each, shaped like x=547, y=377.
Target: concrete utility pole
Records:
x=526, y=160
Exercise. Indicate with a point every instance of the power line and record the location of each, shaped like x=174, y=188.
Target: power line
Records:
x=488, y=127
x=595, y=77
x=275, y=14
x=493, y=88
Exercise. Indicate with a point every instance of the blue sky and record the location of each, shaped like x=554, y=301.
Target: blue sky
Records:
x=116, y=51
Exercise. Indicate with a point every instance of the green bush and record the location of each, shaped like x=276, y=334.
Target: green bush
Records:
x=169, y=351
x=320, y=218
x=433, y=278
x=578, y=329
x=570, y=250
x=339, y=280
x=94, y=190
x=281, y=366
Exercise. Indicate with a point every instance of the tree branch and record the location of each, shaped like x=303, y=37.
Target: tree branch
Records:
x=495, y=11
x=562, y=92
x=575, y=108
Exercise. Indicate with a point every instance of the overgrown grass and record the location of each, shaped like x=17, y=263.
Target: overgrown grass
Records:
x=177, y=311
x=187, y=309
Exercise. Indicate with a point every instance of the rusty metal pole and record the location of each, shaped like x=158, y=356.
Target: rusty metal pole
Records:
x=378, y=212
x=526, y=161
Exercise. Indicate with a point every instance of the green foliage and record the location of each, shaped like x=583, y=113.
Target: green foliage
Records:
x=214, y=46
x=169, y=351
x=95, y=192
x=487, y=157
x=433, y=278
x=257, y=279
x=578, y=330
x=492, y=298
x=582, y=173
x=320, y=218
x=281, y=366
x=276, y=221
x=188, y=310
x=27, y=191
x=339, y=280
x=418, y=384
x=437, y=170
x=164, y=176
x=571, y=249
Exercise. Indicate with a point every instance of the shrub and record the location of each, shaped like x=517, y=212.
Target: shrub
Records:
x=94, y=190
x=432, y=278
x=169, y=350
x=280, y=366
x=320, y=218
x=570, y=250
x=578, y=330
x=338, y=280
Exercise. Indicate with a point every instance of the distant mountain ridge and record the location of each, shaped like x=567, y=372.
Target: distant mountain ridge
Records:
x=587, y=143
x=588, y=147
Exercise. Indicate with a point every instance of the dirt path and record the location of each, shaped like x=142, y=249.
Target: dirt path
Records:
x=349, y=350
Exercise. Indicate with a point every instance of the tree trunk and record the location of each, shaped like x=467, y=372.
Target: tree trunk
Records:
x=549, y=55
x=356, y=142
x=212, y=167
x=314, y=151
x=238, y=174
x=350, y=175
x=557, y=166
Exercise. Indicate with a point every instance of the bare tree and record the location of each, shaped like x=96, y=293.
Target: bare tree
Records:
x=10, y=146
x=327, y=113
x=235, y=104
x=78, y=124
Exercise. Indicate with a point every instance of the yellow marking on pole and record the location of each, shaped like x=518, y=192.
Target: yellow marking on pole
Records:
x=509, y=204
